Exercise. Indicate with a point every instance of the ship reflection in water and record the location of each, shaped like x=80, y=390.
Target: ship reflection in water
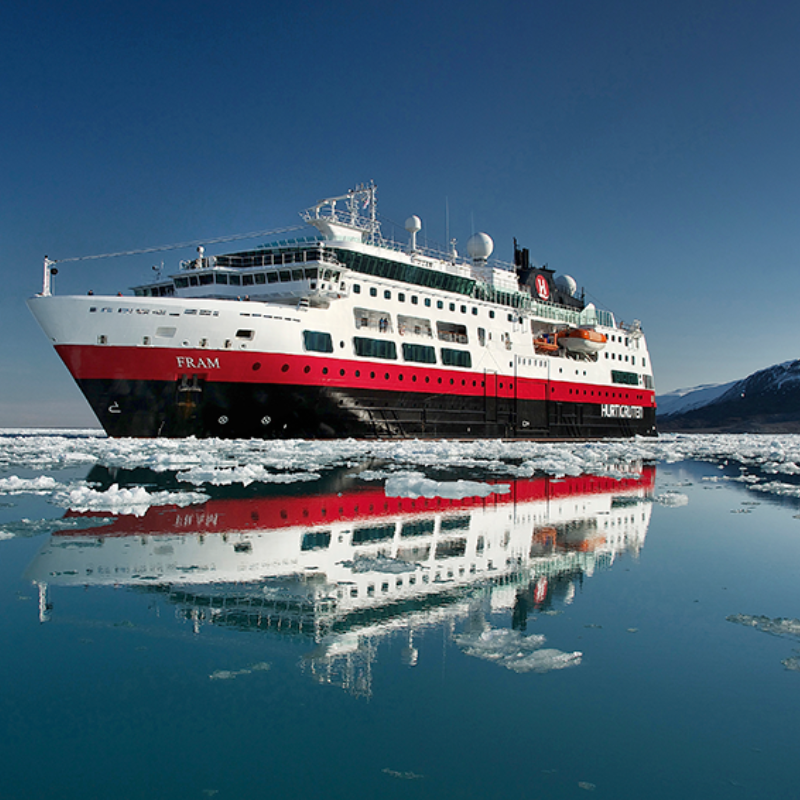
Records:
x=345, y=565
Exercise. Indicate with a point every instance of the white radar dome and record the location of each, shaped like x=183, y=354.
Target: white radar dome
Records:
x=480, y=246
x=567, y=284
x=413, y=224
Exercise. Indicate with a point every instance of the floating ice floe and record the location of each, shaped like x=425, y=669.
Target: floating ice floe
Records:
x=247, y=474
x=43, y=484
x=673, y=499
x=415, y=484
x=779, y=626
x=515, y=651
x=392, y=566
x=133, y=501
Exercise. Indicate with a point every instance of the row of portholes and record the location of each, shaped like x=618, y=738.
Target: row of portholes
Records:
x=600, y=394
x=387, y=376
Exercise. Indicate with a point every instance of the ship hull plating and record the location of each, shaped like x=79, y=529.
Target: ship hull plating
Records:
x=148, y=408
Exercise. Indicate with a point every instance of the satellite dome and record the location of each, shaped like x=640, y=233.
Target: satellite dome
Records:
x=413, y=224
x=567, y=284
x=480, y=246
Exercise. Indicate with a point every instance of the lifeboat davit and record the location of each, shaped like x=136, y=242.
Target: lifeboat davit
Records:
x=582, y=340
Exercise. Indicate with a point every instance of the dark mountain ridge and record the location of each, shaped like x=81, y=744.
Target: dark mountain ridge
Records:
x=768, y=401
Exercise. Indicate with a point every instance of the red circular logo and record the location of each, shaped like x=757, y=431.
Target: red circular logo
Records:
x=542, y=287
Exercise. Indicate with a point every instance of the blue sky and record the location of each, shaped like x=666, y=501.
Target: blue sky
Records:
x=649, y=149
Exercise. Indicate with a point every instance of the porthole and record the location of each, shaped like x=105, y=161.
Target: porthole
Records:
x=285, y=368
x=341, y=372
x=257, y=366
x=306, y=369
x=324, y=370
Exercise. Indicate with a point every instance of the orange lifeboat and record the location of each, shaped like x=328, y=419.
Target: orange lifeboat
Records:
x=582, y=340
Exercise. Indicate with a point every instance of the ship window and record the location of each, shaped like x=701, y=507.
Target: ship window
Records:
x=297, y=274
x=261, y=278
x=414, y=300
x=206, y=279
x=193, y=281
x=630, y=378
x=482, y=337
x=456, y=358
x=387, y=294
x=243, y=333
x=374, y=348
x=315, y=540
x=356, y=288
x=236, y=280
x=414, y=326
x=474, y=311
x=222, y=278
x=285, y=275
x=428, y=302
x=450, y=332
x=247, y=280
x=272, y=277
x=181, y=283
x=380, y=321
x=373, y=292
x=463, y=309
x=452, y=306
x=491, y=315
x=439, y=304
x=644, y=363
x=420, y=353
x=311, y=273
x=377, y=533
x=317, y=342
x=401, y=297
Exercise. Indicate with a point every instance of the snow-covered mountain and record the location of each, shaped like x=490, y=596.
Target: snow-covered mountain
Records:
x=767, y=400
x=682, y=400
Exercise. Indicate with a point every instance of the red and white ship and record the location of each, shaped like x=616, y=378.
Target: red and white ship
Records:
x=345, y=333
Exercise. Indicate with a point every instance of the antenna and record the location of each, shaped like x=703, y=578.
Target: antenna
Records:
x=446, y=218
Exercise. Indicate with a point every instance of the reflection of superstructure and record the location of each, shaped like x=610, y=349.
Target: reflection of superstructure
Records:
x=346, y=567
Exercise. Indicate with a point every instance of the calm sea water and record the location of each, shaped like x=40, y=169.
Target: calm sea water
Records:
x=626, y=636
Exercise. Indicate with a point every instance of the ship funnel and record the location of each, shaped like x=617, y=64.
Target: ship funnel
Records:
x=413, y=226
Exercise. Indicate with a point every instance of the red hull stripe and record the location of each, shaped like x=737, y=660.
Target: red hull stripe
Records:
x=99, y=362
x=219, y=516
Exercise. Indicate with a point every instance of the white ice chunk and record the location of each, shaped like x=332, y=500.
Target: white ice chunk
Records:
x=134, y=501
x=673, y=499
x=515, y=651
x=415, y=484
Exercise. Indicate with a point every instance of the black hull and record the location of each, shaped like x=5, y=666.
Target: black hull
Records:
x=239, y=410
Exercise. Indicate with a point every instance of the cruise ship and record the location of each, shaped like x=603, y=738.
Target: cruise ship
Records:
x=347, y=333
